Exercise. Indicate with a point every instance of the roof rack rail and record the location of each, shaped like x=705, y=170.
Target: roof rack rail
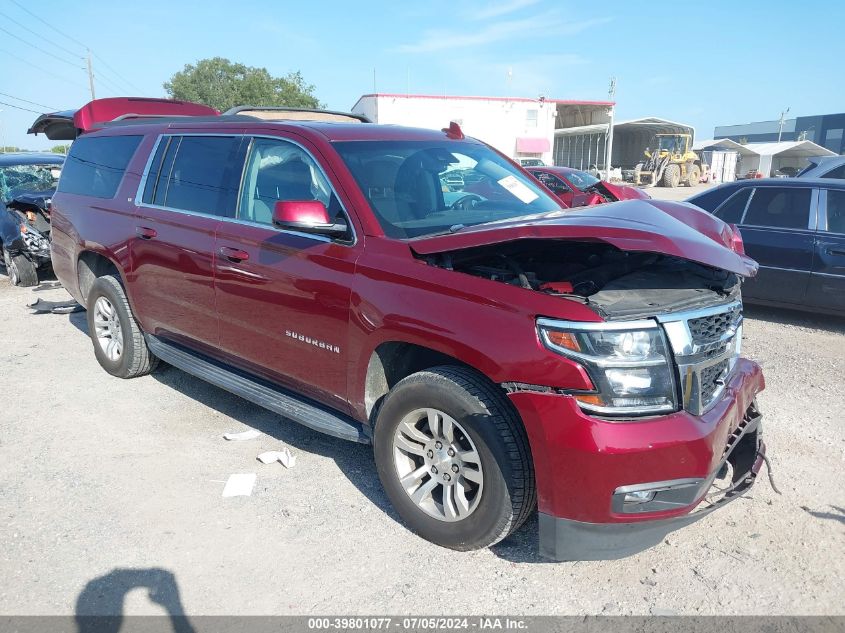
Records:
x=132, y=115
x=281, y=113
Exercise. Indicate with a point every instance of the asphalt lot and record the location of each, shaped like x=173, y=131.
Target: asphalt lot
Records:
x=110, y=502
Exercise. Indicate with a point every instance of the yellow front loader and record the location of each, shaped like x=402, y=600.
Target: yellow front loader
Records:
x=672, y=162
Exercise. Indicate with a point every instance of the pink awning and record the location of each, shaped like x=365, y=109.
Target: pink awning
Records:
x=528, y=145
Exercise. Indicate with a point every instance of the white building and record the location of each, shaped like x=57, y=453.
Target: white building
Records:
x=767, y=158
x=518, y=127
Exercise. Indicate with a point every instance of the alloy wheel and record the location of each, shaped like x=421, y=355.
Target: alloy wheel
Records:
x=438, y=465
x=107, y=329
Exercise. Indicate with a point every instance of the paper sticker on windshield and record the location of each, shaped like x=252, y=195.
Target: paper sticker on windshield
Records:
x=518, y=189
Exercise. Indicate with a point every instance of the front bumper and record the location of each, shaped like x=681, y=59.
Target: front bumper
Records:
x=563, y=539
x=584, y=465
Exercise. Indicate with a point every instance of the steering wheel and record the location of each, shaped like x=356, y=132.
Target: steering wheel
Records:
x=466, y=203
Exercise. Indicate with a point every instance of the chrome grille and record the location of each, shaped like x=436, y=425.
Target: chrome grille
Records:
x=708, y=329
x=712, y=379
x=706, y=345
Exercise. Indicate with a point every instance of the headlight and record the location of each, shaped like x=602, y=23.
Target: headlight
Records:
x=628, y=362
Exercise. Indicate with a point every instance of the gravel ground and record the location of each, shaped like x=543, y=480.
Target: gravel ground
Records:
x=110, y=500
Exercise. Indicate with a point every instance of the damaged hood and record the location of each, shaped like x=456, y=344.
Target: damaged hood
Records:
x=656, y=226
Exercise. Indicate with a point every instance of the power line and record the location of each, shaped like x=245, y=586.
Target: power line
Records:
x=40, y=36
x=110, y=86
x=38, y=48
x=29, y=102
x=12, y=105
x=117, y=74
x=43, y=21
x=43, y=70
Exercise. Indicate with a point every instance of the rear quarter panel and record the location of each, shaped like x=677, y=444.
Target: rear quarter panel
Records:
x=103, y=226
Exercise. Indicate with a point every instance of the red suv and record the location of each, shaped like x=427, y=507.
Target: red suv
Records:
x=499, y=352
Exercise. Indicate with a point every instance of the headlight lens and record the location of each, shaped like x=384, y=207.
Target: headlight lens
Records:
x=628, y=362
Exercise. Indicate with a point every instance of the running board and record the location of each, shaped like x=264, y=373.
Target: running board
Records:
x=275, y=399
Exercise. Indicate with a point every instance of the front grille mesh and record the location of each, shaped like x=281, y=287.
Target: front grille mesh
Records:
x=712, y=328
x=711, y=379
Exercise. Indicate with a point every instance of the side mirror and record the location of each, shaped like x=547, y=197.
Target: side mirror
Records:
x=307, y=216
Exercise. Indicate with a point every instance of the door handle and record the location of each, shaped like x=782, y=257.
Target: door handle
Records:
x=835, y=251
x=145, y=232
x=234, y=255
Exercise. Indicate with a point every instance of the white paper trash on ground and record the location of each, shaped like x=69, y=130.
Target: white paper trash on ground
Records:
x=284, y=456
x=251, y=434
x=239, y=485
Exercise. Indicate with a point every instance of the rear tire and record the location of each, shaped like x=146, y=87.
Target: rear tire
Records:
x=672, y=176
x=119, y=343
x=694, y=176
x=20, y=270
x=490, y=490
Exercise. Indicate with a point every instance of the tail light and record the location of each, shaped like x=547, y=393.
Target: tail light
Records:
x=737, y=245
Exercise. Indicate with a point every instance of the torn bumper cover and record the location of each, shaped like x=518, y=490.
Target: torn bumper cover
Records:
x=565, y=539
x=610, y=488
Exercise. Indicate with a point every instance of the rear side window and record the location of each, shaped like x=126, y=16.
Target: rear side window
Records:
x=95, y=165
x=779, y=207
x=195, y=173
x=732, y=209
x=836, y=211
x=837, y=172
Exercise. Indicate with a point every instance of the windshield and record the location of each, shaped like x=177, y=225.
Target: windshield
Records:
x=417, y=188
x=18, y=179
x=674, y=144
x=581, y=179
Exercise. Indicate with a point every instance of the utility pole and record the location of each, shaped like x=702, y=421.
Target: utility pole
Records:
x=608, y=145
x=780, y=128
x=90, y=75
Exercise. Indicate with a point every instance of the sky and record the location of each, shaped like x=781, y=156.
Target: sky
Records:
x=701, y=63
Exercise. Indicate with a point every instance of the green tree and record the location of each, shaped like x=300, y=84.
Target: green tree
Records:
x=60, y=149
x=222, y=84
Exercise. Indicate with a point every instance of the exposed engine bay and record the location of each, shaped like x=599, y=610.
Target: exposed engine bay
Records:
x=615, y=283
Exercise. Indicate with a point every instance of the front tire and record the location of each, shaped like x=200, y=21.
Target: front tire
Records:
x=119, y=343
x=672, y=176
x=454, y=459
x=20, y=270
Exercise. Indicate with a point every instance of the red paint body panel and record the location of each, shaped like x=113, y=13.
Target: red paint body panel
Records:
x=580, y=461
x=100, y=111
x=291, y=288
x=634, y=225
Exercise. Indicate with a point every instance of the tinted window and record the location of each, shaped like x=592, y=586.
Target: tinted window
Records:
x=95, y=166
x=201, y=176
x=710, y=200
x=836, y=211
x=160, y=189
x=779, y=207
x=838, y=172
x=196, y=173
x=731, y=210
x=155, y=168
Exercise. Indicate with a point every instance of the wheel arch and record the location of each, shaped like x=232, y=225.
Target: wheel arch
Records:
x=91, y=265
x=393, y=360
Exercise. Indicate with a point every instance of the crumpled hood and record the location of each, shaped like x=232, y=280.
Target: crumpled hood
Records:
x=656, y=226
